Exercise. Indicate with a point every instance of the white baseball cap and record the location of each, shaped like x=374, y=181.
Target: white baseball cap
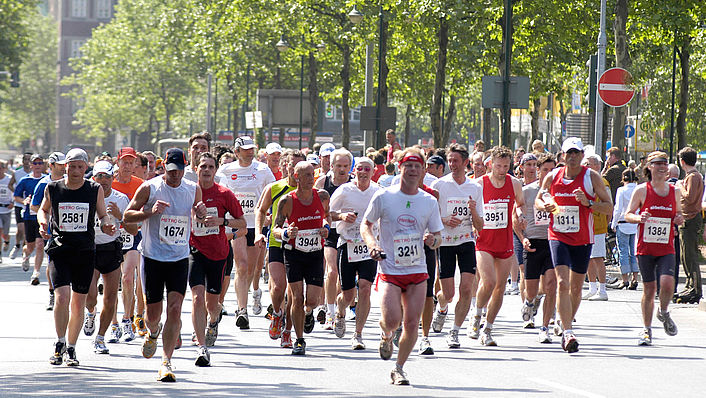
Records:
x=273, y=147
x=104, y=167
x=572, y=143
x=326, y=149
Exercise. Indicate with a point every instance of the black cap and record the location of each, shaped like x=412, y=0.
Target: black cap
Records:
x=437, y=160
x=175, y=159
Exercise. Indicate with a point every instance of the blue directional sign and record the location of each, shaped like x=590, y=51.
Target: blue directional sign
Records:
x=629, y=131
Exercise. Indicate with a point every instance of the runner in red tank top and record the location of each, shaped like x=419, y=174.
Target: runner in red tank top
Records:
x=494, y=247
x=568, y=194
x=659, y=205
x=307, y=212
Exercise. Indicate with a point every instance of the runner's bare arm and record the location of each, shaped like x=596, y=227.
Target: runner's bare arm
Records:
x=262, y=206
x=43, y=214
x=105, y=221
x=366, y=232
x=284, y=208
x=636, y=201
x=135, y=211
x=539, y=203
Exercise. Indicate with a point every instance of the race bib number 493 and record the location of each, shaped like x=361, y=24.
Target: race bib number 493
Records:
x=73, y=217
x=174, y=230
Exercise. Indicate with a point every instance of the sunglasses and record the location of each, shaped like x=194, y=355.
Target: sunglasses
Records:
x=572, y=151
x=37, y=163
x=366, y=168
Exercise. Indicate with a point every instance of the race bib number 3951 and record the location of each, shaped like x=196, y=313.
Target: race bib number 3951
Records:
x=495, y=215
x=73, y=217
x=174, y=230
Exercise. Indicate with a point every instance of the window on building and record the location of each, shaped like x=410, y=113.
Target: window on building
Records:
x=103, y=9
x=76, y=48
x=79, y=8
x=355, y=114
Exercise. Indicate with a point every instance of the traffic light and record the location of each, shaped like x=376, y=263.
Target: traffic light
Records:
x=592, y=65
x=15, y=79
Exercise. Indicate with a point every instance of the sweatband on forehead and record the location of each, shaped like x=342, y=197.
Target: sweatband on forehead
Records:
x=410, y=157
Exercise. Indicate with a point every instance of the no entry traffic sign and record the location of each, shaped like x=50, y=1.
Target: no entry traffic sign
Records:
x=614, y=87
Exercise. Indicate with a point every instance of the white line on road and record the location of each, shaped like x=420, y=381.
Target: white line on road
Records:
x=568, y=389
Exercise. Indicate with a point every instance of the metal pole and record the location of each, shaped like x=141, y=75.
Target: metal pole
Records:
x=378, y=140
x=674, y=72
x=505, y=136
x=246, y=106
x=301, y=100
x=208, y=103
x=215, y=108
x=602, y=42
x=369, y=70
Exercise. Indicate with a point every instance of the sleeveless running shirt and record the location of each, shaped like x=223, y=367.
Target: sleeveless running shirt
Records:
x=656, y=236
x=166, y=235
x=277, y=191
x=308, y=218
x=573, y=223
x=73, y=213
x=496, y=235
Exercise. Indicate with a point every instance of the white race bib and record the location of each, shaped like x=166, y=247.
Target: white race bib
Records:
x=408, y=249
x=73, y=217
x=5, y=196
x=200, y=229
x=248, y=201
x=357, y=251
x=567, y=220
x=127, y=238
x=174, y=230
x=458, y=207
x=656, y=230
x=308, y=240
x=495, y=215
x=541, y=217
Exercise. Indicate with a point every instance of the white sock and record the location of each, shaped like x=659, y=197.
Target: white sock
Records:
x=62, y=339
x=444, y=309
x=479, y=311
x=592, y=287
x=513, y=284
x=489, y=326
x=473, y=302
x=331, y=308
x=456, y=327
x=601, y=287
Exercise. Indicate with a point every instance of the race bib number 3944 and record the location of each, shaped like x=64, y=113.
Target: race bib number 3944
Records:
x=73, y=217
x=308, y=240
x=174, y=230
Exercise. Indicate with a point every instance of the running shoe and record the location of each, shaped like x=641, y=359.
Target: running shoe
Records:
x=270, y=310
x=529, y=324
x=357, y=342
x=299, y=346
x=149, y=346
x=527, y=310
x=589, y=294
x=276, y=326
x=71, y=359
x=569, y=343
x=669, y=326
x=452, y=339
x=396, y=336
x=178, y=342
x=257, y=302
x=544, y=336
x=352, y=313
x=34, y=280
x=645, y=337
x=386, y=347
x=437, y=324
x=211, y=334
x=600, y=296
x=194, y=339
x=328, y=325
x=486, y=338
x=537, y=304
x=100, y=288
x=115, y=333
x=139, y=324
x=223, y=313
x=474, y=330
x=242, y=320
x=6, y=247
x=399, y=377
x=309, y=322
x=13, y=255
x=59, y=351
x=25, y=264
x=89, y=326
x=558, y=329
x=339, y=327
x=204, y=357
x=99, y=347
x=286, y=339
x=166, y=374
x=50, y=306
x=425, y=346
x=321, y=314
x=128, y=334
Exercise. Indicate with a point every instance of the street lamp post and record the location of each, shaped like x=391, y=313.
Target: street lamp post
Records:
x=282, y=45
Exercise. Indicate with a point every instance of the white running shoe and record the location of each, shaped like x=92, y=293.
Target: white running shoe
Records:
x=600, y=296
x=357, y=342
x=128, y=334
x=645, y=337
x=527, y=310
x=425, y=346
x=89, y=326
x=544, y=336
x=339, y=326
x=452, y=339
x=486, y=338
x=13, y=253
x=257, y=302
x=99, y=347
x=115, y=333
x=204, y=357
x=474, y=330
x=437, y=324
x=669, y=326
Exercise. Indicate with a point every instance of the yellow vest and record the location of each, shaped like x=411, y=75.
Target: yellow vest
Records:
x=600, y=220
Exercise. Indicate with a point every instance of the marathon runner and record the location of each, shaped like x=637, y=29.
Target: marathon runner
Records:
x=348, y=202
x=494, y=248
x=341, y=160
x=17, y=175
x=209, y=251
x=127, y=183
x=23, y=193
x=655, y=206
x=274, y=153
x=324, y=160
x=247, y=178
x=306, y=210
x=198, y=144
x=537, y=257
x=71, y=205
x=109, y=255
x=568, y=193
x=165, y=206
x=461, y=209
x=528, y=170
x=404, y=213
x=278, y=275
x=6, y=206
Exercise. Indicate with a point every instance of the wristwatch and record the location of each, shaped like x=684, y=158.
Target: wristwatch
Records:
x=225, y=222
x=590, y=203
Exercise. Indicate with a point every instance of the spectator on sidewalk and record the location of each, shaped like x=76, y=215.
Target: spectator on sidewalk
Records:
x=692, y=189
x=613, y=170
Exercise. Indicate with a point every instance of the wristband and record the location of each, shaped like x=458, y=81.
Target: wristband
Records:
x=328, y=227
x=285, y=235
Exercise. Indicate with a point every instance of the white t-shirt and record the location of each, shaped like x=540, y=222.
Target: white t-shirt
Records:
x=6, y=195
x=19, y=174
x=247, y=183
x=428, y=179
x=349, y=198
x=385, y=180
x=122, y=201
x=403, y=218
x=453, y=198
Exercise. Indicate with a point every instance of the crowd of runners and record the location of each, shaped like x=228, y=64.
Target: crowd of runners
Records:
x=323, y=229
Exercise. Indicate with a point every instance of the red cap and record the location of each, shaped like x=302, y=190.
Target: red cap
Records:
x=411, y=157
x=127, y=151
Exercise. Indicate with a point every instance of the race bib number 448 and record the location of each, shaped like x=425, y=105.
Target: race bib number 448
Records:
x=174, y=230
x=248, y=201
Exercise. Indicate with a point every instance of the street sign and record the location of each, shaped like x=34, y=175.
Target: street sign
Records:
x=492, y=92
x=629, y=131
x=253, y=120
x=648, y=146
x=615, y=87
x=388, y=118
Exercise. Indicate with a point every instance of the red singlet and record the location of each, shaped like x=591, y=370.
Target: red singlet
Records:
x=573, y=225
x=656, y=236
x=496, y=235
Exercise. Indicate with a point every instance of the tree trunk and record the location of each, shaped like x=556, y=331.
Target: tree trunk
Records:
x=449, y=122
x=313, y=99
x=536, y=104
x=487, y=126
x=345, y=93
x=684, y=53
x=442, y=35
x=622, y=60
x=407, y=129
x=382, y=83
